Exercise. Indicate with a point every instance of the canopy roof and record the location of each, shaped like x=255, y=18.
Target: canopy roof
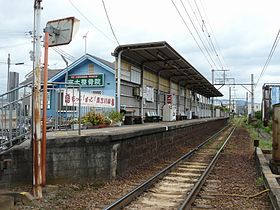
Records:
x=162, y=59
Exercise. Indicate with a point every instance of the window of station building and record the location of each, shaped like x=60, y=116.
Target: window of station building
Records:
x=182, y=91
x=135, y=75
x=90, y=68
x=48, y=101
x=99, y=92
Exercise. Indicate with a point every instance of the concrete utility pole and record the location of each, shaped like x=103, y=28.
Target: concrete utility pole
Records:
x=246, y=110
x=229, y=100
x=252, y=96
x=37, y=135
x=8, y=76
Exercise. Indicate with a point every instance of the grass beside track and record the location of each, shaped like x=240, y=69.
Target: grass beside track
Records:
x=265, y=143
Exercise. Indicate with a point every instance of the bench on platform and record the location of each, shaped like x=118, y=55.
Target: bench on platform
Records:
x=182, y=116
x=130, y=118
x=152, y=117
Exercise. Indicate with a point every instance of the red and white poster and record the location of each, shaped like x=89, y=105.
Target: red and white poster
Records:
x=169, y=98
x=71, y=98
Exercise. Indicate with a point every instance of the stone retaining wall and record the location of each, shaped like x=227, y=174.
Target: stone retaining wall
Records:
x=102, y=157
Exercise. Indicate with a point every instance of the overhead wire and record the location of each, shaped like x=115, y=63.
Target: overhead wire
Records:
x=178, y=11
x=198, y=34
x=213, y=34
x=275, y=43
x=65, y=54
x=199, y=24
x=110, y=22
x=89, y=21
x=207, y=35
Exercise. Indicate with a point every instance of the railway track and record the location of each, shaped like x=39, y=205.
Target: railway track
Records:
x=177, y=186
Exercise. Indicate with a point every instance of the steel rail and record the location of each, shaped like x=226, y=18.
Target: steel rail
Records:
x=126, y=199
x=195, y=190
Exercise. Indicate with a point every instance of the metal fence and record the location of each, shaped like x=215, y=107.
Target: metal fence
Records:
x=15, y=122
x=63, y=113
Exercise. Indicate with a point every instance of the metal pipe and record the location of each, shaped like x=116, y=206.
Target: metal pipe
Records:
x=45, y=94
x=119, y=82
x=212, y=110
x=158, y=93
x=142, y=98
x=79, y=110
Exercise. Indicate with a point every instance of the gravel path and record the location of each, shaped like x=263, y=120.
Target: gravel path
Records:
x=235, y=175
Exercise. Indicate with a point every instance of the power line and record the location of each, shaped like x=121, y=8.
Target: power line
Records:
x=190, y=32
x=207, y=36
x=212, y=31
x=275, y=43
x=110, y=23
x=90, y=21
x=198, y=34
x=65, y=54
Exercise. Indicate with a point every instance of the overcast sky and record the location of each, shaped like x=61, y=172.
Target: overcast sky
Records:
x=242, y=32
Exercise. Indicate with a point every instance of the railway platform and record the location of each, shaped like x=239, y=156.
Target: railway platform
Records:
x=103, y=154
x=271, y=181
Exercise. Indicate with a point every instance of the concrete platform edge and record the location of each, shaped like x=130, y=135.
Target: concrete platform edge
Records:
x=270, y=181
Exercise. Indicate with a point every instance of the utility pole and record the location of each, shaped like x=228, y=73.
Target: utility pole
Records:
x=229, y=100
x=252, y=96
x=8, y=76
x=246, y=110
x=37, y=135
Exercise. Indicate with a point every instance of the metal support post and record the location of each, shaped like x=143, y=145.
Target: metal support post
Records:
x=142, y=97
x=212, y=111
x=119, y=82
x=45, y=98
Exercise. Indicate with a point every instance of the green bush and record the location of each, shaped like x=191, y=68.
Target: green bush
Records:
x=94, y=118
x=115, y=116
x=258, y=115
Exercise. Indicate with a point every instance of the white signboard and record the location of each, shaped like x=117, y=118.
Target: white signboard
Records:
x=71, y=98
x=149, y=94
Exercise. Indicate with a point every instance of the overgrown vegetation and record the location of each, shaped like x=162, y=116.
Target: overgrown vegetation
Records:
x=92, y=118
x=115, y=116
x=260, y=181
x=260, y=132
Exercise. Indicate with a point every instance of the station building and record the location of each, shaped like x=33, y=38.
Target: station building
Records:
x=154, y=80
x=153, y=75
x=94, y=76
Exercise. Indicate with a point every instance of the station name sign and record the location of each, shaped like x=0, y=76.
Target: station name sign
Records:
x=94, y=80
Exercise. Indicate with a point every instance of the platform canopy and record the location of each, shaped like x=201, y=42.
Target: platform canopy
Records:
x=162, y=59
